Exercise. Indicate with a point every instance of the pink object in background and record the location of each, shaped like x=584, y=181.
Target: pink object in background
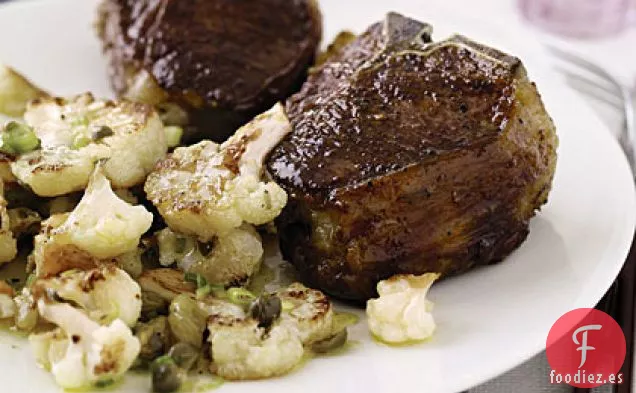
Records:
x=578, y=18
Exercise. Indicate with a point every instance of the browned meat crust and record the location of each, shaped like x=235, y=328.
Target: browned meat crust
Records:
x=225, y=60
x=410, y=157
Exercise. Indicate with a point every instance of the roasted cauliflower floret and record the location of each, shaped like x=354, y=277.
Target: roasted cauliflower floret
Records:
x=101, y=225
x=242, y=350
x=402, y=313
x=81, y=352
x=104, y=294
x=52, y=172
x=5, y=169
x=250, y=337
x=309, y=310
x=51, y=257
x=26, y=312
x=101, y=229
x=7, y=306
x=206, y=190
x=77, y=133
x=16, y=92
x=8, y=243
x=252, y=345
x=270, y=338
x=228, y=260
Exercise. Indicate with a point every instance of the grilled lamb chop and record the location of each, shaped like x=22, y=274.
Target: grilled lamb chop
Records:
x=223, y=61
x=408, y=156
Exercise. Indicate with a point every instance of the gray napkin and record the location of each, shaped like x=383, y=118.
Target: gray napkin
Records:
x=530, y=377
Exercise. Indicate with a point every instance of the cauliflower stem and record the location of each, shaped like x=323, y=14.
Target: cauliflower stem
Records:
x=81, y=353
x=78, y=132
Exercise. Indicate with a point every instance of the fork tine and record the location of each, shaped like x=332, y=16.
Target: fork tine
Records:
x=588, y=66
x=628, y=136
x=587, y=86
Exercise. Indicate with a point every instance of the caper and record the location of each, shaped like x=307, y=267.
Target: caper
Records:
x=184, y=355
x=166, y=375
x=266, y=309
x=156, y=345
x=205, y=248
x=102, y=132
x=330, y=343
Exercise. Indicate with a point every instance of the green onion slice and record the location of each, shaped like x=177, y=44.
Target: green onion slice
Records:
x=240, y=296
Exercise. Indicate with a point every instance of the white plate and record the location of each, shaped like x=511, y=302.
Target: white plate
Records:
x=489, y=320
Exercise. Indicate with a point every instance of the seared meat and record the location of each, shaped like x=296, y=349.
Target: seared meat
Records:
x=408, y=156
x=224, y=61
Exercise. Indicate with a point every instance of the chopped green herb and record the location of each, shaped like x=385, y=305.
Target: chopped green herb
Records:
x=30, y=280
x=162, y=360
x=203, y=292
x=240, y=296
x=197, y=279
x=203, y=287
x=80, y=121
x=80, y=141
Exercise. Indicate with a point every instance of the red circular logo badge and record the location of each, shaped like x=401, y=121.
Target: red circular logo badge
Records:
x=586, y=349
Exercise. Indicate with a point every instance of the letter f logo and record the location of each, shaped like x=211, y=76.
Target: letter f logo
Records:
x=583, y=344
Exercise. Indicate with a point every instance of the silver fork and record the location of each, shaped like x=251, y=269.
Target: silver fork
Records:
x=619, y=301
x=615, y=92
